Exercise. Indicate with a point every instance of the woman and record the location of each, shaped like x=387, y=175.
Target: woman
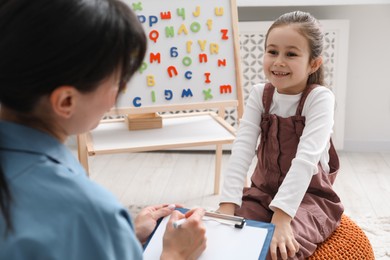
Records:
x=62, y=65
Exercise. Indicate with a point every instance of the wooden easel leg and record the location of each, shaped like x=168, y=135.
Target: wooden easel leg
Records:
x=82, y=151
x=218, y=162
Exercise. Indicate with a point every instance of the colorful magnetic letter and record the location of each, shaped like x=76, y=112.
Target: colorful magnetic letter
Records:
x=196, y=13
x=186, y=93
x=168, y=94
x=195, y=27
x=209, y=24
x=155, y=57
x=223, y=89
x=202, y=44
x=181, y=12
x=189, y=44
x=153, y=35
x=219, y=11
x=207, y=94
x=141, y=18
x=207, y=76
x=188, y=75
x=187, y=61
x=137, y=6
x=165, y=15
x=174, y=52
x=224, y=34
x=203, y=58
x=152, y=20
x=182, y=28
x=172, y=70
x=214, y=48
x=143, y=67
x=221, y=62
x=169, y=31
x=137, y=102
x=150, y=81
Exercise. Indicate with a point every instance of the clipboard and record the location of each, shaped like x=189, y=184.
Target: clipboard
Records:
x=231, y=236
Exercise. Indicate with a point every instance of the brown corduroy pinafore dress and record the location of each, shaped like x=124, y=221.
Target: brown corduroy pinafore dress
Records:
x=320, y=211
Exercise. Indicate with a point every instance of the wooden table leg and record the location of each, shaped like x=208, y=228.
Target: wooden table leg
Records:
x=82, y=151
x=218, y=163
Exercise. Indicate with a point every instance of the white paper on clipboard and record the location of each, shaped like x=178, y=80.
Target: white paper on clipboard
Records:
x=223, y=242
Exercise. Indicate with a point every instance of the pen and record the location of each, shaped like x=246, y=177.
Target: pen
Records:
x=238, y=222
x=178, y=223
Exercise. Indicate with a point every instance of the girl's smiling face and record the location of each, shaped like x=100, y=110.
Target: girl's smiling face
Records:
x=286, y=61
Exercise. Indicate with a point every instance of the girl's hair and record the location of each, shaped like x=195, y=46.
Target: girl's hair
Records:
x=309, y=28
x=45, y=44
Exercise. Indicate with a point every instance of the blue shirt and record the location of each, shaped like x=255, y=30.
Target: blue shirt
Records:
x=57, y=212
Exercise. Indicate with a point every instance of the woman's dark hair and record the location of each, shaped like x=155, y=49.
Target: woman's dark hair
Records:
x=45, y=44
x=308, y=27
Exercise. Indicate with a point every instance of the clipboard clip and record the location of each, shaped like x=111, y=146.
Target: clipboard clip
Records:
x=237, y=222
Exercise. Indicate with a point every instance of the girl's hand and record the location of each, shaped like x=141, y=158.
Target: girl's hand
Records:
x=283, y=238
x=189, y=240
x=146, y=220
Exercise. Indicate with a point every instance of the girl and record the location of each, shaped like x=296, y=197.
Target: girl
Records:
x=297, y=163
x=62, y=64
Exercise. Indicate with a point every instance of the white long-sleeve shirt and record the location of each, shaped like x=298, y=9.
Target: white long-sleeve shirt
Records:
x=312, y=149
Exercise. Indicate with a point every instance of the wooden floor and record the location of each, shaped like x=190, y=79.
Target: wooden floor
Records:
x=188, y=178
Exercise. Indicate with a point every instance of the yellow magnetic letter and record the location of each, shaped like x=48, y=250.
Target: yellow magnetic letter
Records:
x=150, y=80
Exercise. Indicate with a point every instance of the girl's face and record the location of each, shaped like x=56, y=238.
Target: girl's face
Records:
x=286, y=60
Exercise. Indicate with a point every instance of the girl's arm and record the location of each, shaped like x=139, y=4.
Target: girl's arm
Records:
x=243, y=151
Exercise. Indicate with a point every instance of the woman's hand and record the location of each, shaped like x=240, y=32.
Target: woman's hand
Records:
x=189, y=240
x=227, y=208
x=283, y=238
x=146, y=220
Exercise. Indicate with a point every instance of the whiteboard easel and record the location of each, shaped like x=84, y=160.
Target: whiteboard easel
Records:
x=211, y=83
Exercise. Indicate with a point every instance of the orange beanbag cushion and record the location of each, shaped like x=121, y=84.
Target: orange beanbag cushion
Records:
x=348, y=241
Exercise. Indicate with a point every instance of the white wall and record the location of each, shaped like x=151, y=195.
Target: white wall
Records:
x=367, y=125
